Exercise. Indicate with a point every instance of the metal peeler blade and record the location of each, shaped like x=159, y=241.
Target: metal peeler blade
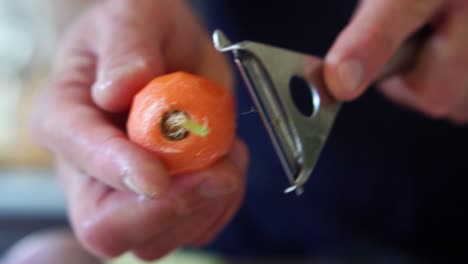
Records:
x=268, y=71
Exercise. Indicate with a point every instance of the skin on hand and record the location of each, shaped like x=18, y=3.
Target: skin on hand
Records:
x=437, y=86
x=119, y=195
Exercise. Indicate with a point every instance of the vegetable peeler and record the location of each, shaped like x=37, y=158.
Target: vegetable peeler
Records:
x=272, y=76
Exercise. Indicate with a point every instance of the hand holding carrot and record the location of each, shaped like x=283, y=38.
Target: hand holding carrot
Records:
x=109, y=55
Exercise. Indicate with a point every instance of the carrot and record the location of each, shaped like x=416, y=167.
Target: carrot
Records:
x=188, y=121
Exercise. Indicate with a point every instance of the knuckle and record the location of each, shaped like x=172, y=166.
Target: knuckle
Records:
x=432, y=96
x=131, y=57
x=141, y=63
x=439, y=99
x=435, y=107
x=117, y=16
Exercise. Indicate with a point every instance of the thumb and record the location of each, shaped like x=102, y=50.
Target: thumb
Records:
x=128, y=54
x=367, y=43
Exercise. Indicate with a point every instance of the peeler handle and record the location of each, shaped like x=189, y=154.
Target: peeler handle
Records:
x=407, y=54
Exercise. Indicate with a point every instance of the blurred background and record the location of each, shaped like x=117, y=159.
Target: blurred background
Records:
x=30, y=198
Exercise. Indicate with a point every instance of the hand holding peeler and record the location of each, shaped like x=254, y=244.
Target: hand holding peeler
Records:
x=270, y=74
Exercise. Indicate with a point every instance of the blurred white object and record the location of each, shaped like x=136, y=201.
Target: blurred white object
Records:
x=26, y=34
x=30, y=31
x=26, y=37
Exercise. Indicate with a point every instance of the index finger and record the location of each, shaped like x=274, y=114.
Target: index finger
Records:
x=67, y=122
x=367, y=43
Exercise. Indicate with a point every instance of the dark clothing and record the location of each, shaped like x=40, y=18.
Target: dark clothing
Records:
x=390, y=182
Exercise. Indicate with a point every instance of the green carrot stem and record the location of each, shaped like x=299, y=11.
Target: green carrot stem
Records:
x=196, y=129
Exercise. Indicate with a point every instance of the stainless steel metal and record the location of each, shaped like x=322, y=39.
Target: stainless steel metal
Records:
x=267, y=70
x=298, y=139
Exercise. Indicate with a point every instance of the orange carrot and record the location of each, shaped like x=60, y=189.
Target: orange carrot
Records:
x=188, y=121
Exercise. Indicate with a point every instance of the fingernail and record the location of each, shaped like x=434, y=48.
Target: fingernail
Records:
x=214, y=186
x=130, y=183
x=351, y=75
x=132, y=186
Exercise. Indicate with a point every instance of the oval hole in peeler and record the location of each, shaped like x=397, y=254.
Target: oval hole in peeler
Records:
x=304, y=96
